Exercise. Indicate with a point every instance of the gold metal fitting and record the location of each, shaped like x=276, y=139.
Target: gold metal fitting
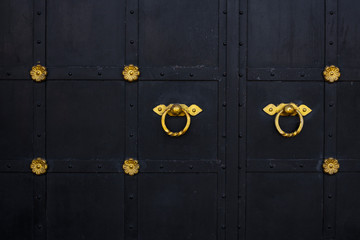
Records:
x=131, y=166
x=287, y=109
x=131, y=73
x=38, y=166
x=176, y=109
x=38, y=73
x=331, y=166
x=331, y=73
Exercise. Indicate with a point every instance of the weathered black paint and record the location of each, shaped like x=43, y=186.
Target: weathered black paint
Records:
x=231, y=176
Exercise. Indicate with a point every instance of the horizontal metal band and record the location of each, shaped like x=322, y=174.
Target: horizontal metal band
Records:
x=285, y=74
x=113, y=166
x=280, y=165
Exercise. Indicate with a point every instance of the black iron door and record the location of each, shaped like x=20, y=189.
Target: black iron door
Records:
x=214, y=119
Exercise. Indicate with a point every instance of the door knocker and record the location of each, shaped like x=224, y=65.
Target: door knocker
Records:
x=176, y=109
x=288, y=109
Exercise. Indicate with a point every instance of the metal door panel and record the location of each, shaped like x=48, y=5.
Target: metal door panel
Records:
x=348, y=39
x=155, y=144
x=16, y=53
x=285, y=34
x=85, y=120
x=178, y=206
x=16, y=114
x=264, y=141
x=85, y=206
x=284, y=206
x=347, y=206
x=16, y=204
x=348, y=118
x=179, y=33
x=85, y=33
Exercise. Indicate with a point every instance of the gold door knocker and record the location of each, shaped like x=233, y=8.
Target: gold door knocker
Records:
x=288, y=109
x=176, y=109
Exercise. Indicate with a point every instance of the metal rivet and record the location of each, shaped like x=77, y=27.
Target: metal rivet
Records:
x=131, y=196
x=161, y=74
x=8, y=74
x=332, y=12
x=240, y=135
x=191, y=166
x=240, y=43
x=239, y=227
x=329, y=227
x=240, y=75
x=131, y=41
x=331, y=42
x=70, y=74
x=224, y=43
x=302, y=75
x=271, y=165
x=131, y=227
x=331, y=104
x=223, y=166
x=224, y=74
x=301, y=165
x=39, y=105
x=39, y=226
x=39, y=135
x=161, y=166
x=38, y=197
x=131, y=105
x=132, y=11
x=38, y=13
x=224, y=104
x=330, y=196
x=70, y=166
x=99, y=166
x=193, y=110
x=191, y=75
x=304, y=109
x=8, y=165
x=131, y=134
x=38, y=42
x=330, y=135
x=272, y=74
x=224, y=12
x=99, y=73
x=239, y=167
x=239, y=196
x=223, y=226
x=223, y=195
x=270, y=109
x=241, y=12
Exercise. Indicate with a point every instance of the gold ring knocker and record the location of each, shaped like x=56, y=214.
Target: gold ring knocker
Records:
x=288, y=109
x=176, y=109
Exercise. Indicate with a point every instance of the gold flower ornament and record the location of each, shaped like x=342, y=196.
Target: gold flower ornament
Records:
x=131, y=166
x=331, y=166
x=331, y=74
x=38, y=166
x=38, y=73
x=131, y=73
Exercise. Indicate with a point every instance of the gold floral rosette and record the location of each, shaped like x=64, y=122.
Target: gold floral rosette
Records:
x=131, y=166
x=38, y=73
x=131, y=73
x=39, y=166
x=332, y=73
x=331, y=166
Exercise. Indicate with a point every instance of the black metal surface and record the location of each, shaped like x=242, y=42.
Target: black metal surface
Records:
x=231, y=176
